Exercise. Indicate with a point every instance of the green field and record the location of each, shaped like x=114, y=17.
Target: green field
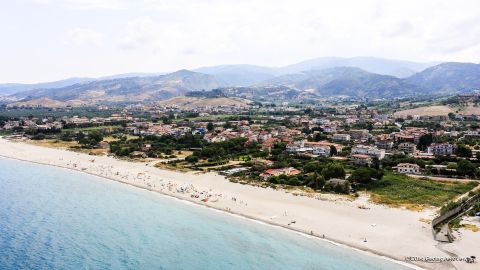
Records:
x=86, y=129
x=401, y=190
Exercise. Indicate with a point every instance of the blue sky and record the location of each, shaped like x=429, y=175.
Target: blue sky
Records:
x=44, y=40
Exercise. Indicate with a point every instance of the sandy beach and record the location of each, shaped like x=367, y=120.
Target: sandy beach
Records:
x=390, y=232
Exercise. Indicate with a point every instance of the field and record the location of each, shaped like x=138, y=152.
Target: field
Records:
x=426, y=111
x=194, y=102
x=400, y=190
x=439, y=110
x=86, y=129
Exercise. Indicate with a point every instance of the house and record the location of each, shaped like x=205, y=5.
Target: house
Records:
x=369, y=151
x=410, y=134
x=441, y=149
x=268, y=144
x=282, y=171
x=407, y=147
x=383, y=141
x=360, y=159
x=337, y=146
x=341, y=137
x=360, y=134
x=103, y=145
x=407, y=168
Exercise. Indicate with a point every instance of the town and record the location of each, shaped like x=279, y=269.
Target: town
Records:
x=335, y=148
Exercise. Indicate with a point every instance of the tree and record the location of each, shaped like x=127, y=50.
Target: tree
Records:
x=316, y=181
x=463, y=151
x=333, y=170
x=465, y=167
x=364, y=175
x=333, y=150
x=425, y=141
x=210, y=126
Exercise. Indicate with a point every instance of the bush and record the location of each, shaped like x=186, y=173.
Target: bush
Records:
x=365, y=175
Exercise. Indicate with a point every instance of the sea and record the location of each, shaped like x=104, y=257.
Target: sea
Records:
x=55, y=218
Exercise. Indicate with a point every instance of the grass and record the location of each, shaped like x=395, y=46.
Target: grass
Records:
x=74, y=146
x=85, y=129
x=400, y=190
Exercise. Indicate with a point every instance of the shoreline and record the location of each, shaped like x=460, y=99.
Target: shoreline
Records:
x=239, y=215
x=218, y=207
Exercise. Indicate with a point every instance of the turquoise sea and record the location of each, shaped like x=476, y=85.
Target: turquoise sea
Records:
x=53, y=218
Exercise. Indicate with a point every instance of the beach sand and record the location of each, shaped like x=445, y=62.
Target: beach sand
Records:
x=390, y=232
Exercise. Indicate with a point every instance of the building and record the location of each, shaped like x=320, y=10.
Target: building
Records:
x=341, y=137
x=408, y=148
x=360, y=134
x=268, y=144
x=407, y=168
x=410, y=134
x=360, y=159
x=371, y=151
x=337, y=146
x=103, y=145
x=282, y=171
x=441, y=149
x=383, y=141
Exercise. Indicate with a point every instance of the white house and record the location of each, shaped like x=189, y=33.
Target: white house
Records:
x=408, y=168
x=369, y=151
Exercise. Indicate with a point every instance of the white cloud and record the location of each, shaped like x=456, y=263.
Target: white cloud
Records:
x=86, y=4
x=165, y=35
x=139, y=33
x=85, y=37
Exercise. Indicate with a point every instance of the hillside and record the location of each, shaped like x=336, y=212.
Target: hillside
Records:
x=239, y=75
x=266, y=84
x=47, y=102
x=133, y=89
x=347, y=81
x=247, y=75
x=448, y=78
x=12, y=88
x=186, y=102
x=380, y=66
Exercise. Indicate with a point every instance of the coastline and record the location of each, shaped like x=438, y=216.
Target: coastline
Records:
x=28, y=153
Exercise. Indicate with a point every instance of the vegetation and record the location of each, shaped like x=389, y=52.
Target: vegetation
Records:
x=396, y=189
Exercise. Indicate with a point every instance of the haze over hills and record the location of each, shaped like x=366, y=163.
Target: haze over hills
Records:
x=245, y=75
x=318, y=79
x=11, y=88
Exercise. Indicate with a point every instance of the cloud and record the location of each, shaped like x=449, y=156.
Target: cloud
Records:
x=165, y=35
x=86, y=4
x=139, y=33
x=400, y=29
x=85, y=37
x=456, y=37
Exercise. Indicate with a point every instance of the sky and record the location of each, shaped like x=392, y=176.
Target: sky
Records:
x=46, y=40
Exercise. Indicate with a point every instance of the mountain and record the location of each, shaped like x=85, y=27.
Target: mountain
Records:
x=127, y=89
x=239, y=75
x=448, y=78
x=397, y=68
x=345, y=81
x=246, y=75
x=295, y=82
x=12, y=88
